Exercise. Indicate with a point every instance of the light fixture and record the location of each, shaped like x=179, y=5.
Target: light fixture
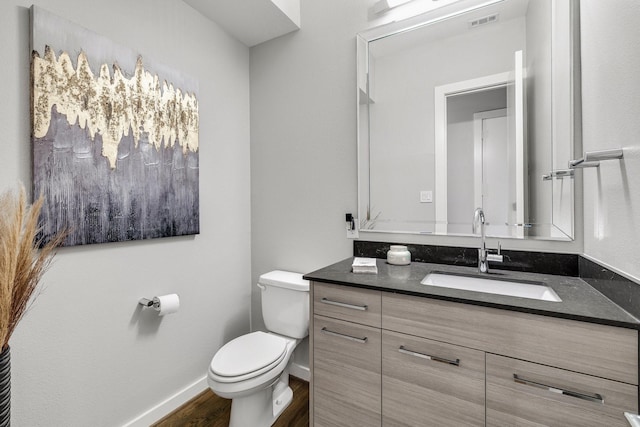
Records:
x=385, y=5
x=390, y=10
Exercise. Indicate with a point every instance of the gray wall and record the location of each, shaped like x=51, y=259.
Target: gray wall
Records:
x=303, y=152
x=611, y=112
x=85, y=355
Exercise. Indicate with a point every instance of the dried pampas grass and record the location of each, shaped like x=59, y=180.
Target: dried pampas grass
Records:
x=23, y=260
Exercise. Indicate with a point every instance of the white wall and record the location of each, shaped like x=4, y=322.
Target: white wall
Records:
x=611, y=119
x=85, y=355
x=303, y=152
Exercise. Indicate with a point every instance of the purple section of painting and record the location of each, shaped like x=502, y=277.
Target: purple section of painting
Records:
x=151, y=192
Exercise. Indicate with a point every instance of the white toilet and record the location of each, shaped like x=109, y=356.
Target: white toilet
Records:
x=252, y=369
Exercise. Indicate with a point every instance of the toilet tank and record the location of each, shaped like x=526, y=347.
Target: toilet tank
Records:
x=285, y=303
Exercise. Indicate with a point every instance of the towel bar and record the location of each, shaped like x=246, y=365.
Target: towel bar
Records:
x=591, y=159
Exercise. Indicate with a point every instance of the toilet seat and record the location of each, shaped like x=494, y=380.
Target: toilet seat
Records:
x=248, y=356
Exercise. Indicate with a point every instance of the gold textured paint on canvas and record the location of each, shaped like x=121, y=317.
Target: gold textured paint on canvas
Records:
x=112, y=106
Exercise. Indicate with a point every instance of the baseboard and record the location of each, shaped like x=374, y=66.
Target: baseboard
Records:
x=169, y=405
x=300, y=371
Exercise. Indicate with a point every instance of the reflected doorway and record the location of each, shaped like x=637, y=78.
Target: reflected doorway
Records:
x=491, y=184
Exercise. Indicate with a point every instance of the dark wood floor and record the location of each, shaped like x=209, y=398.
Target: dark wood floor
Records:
x=209, y=410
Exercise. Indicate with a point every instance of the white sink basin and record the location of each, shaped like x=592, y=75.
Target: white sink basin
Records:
x=492, y=286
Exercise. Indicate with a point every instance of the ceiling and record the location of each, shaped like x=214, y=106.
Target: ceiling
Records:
x=252, y=21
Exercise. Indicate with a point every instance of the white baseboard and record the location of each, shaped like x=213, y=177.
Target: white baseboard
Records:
x=300, y=371
x=183, y=396
x=169, y=405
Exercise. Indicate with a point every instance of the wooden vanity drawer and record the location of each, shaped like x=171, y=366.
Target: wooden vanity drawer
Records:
x=346, y=374
x=599, y=350
x=352, y=304
x=429, y=383
x=542, y=395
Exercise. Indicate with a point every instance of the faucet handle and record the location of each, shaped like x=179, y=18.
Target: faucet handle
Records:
x=496, y=257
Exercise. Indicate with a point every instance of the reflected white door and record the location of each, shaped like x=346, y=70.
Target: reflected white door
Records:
x=491, y=147
x=517, y=121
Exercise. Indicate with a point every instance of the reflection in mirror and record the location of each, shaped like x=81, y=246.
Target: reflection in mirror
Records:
x=456, y=111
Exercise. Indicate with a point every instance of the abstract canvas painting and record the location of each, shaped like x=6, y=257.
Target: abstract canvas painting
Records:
x=114, y=138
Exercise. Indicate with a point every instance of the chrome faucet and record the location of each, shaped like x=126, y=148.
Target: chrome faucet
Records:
x=484, y=255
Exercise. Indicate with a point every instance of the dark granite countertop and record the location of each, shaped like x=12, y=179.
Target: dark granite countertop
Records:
x=580, y=301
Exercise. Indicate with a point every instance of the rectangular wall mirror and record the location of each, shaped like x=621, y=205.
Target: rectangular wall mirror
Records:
x=467, y=106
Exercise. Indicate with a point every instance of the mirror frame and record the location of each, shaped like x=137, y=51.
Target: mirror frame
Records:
x=570, y=132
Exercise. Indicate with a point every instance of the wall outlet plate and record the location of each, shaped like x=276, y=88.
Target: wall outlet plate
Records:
x=426, y=196
x=353, y=234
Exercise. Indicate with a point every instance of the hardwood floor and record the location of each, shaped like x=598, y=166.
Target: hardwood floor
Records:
x=209, y=410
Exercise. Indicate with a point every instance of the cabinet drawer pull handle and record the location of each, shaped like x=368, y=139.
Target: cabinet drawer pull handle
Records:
x=324, y=330
x=344, y=304
x=429, y=357
x=595, y=397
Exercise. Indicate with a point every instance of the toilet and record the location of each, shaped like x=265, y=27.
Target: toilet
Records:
x=253, y=369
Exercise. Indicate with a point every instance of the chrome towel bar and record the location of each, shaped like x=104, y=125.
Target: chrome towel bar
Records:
x=592, y=159
x=559, y=173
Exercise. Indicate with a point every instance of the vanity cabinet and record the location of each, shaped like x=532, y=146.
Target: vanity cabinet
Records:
x=597, y=350
x=426, y=382
x=355, y=305
x=428, y=362
x=346, y=355
x=525, y=393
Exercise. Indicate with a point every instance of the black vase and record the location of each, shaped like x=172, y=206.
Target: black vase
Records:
x=5, y=388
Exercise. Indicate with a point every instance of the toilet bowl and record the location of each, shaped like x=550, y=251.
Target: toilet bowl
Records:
x=253, y=369
x=249, y=362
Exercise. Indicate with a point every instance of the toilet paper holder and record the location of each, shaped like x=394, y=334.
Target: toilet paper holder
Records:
x=163, y=304
x=146, y=302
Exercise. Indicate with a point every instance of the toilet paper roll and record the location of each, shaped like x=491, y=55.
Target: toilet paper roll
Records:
x=166, y=304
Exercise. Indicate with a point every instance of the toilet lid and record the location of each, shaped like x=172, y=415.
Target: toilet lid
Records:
x=249, y=353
